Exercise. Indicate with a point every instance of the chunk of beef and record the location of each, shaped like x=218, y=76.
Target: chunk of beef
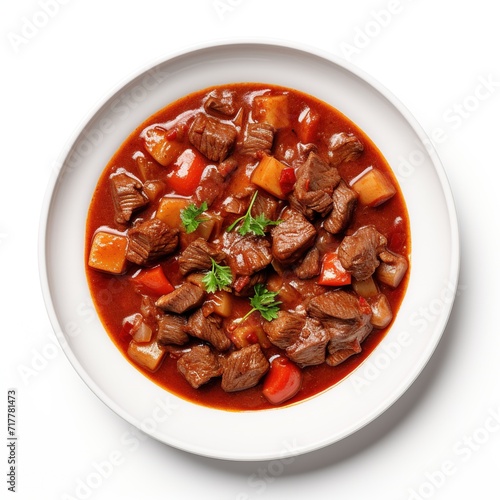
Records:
x=359, y=252
x=310, y=265
x=248, y=254
x=211, y=137
x=344, y=147
x=258, y=137
x=338, y=353
x=227, y=166
x=345, y=317
x=184, y=298
x=292, y=237
x=199, y=365
x=221, y=101
x=314, y=186
x=244, y=368
x=198, y=256
x=243, y=286
x=149, y=240
x=266, y=205
x=127, y=196
x=171, y=330
x=344, y=201
x=208, y=328
x=285, y=329
x=337, y=304
x=310, y=347
x=210, y=187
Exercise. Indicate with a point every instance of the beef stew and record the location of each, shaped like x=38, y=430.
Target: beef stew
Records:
x=247, y=246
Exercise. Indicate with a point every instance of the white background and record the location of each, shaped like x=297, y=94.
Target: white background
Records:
x=441, y=58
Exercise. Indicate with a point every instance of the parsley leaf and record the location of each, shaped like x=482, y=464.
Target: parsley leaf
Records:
x=264, y=302
x=250, y=224
x=217, y=278
x=190, y=216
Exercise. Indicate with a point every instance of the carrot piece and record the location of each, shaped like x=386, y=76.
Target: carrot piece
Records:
x=152, y=281
x=332, y=271
x=108, y=252
x=283, y=381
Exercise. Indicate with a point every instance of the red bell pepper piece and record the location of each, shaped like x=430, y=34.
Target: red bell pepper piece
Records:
x=287, y=180
x=332, y=272
x=283, y=380
x=185, y=174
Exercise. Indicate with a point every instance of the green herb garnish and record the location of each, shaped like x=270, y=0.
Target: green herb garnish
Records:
x=264, y=302
x=217, y=278
x=190, y=216
x=256, y=225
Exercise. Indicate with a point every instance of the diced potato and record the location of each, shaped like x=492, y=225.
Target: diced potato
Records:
x=381, y=311
x=206, y=228
x=222, y=303
x=196, y=279
x=245, y=335
x=163, y=150
x=272, y=109
x=169, y=210
x=373, y=187
x=108, y=252
x=267, y=175
x=148, y=355
x=147, y=168
x=365, y=288
x=153, y=189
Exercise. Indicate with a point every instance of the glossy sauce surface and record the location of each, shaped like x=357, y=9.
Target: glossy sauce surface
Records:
x=115, y=298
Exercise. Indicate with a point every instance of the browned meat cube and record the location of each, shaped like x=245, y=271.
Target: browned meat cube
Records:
x=344, y=201
x=149, y=240
x=310, y=265
x=211, y=137
x=221, y=101
x=208, y=328
x=310, y=347
x=344, y=147
x=248, y=254
x=258, y=137
x=285, y=329
x=244, y=368
x=211, y=186
x=199, y=365
x=243, y=286
x=292, y=237
x=197, y=256
x=344, y=315
x=359, y=252
x=127, y=195
x=171, y=330
x=184, y=298
x=335, y=304
x=339, y=352
x=314, y=186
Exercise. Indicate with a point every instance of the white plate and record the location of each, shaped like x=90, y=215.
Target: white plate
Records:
x=374, y=385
